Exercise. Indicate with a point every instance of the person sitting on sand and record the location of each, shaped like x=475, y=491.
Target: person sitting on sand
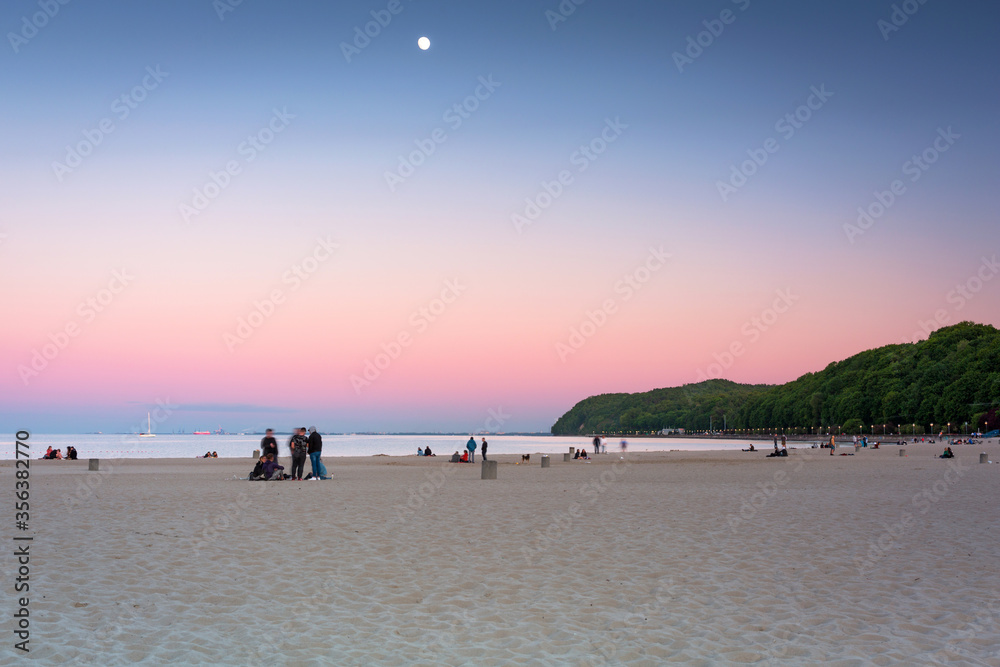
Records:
x=948, y=454
x=215, y=455
x=48, y=453
x=751, y=448
x=456, y=458
x=420, y=451
x=465, y=457
x=272, y=470
x=57, y=454
x=71, y=453
x=258, y=469
x=428, y=452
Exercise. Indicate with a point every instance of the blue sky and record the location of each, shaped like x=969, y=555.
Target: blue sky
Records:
x=888, y=96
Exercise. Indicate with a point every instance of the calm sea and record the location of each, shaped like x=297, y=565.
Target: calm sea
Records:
x=167, y=445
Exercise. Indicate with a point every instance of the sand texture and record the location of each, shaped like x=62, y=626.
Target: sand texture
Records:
x=686, y=558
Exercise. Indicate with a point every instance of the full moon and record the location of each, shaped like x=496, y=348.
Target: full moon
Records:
x=424, y=43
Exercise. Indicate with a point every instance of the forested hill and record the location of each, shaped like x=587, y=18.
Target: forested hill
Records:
x=953, y=376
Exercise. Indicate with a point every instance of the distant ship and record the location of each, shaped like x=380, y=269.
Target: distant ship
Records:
x=149, y=428
x=202, y=433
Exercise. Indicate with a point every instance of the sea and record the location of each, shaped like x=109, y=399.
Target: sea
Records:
x=181, y=446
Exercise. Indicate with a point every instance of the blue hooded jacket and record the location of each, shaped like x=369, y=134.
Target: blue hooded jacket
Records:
x=471, y=445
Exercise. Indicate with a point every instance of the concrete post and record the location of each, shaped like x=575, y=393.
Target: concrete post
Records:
x=256, y=453
x=983, y=458
x=572, y=451
x=902, y=451
x=566, y=457
x=545, y=461
x=489, y=470
x=95, y=464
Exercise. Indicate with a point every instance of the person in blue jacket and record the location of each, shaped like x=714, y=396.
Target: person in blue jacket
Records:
x=471, y=446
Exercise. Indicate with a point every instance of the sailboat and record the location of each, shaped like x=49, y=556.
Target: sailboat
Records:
x=149, y=427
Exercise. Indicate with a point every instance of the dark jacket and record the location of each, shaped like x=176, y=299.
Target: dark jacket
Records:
x=315, y=442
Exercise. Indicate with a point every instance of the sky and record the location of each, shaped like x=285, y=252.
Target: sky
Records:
x=259, y=214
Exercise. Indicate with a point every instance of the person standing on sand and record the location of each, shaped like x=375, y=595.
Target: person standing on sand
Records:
x=298, y=446
x=315, y=450
x=268, y=445
x=597, y=444
x=471, y=446
x=483, y=448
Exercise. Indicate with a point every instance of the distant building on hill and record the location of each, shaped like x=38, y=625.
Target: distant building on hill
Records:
x=672, y=431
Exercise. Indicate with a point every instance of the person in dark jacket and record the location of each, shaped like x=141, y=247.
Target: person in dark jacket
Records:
x=298, y=446
x=315, y=450
x=268, y=445
x=272, y=470
x=482, y=448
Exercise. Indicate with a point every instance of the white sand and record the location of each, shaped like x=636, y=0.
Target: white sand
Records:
x=580, y=564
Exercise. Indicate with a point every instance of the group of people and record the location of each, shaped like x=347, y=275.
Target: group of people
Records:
x=56, y=454
x=948, y=454
x=210, y=455
x=300, y=447
x=469, y=455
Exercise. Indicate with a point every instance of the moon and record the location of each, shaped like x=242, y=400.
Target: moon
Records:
x=424, y=43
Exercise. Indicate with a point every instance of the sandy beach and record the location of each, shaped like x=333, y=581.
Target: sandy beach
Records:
x=699, y=558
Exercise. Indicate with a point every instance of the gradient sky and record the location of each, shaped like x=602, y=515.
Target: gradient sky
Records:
x=184, y=284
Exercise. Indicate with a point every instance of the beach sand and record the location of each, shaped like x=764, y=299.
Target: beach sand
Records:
x=699, y=558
